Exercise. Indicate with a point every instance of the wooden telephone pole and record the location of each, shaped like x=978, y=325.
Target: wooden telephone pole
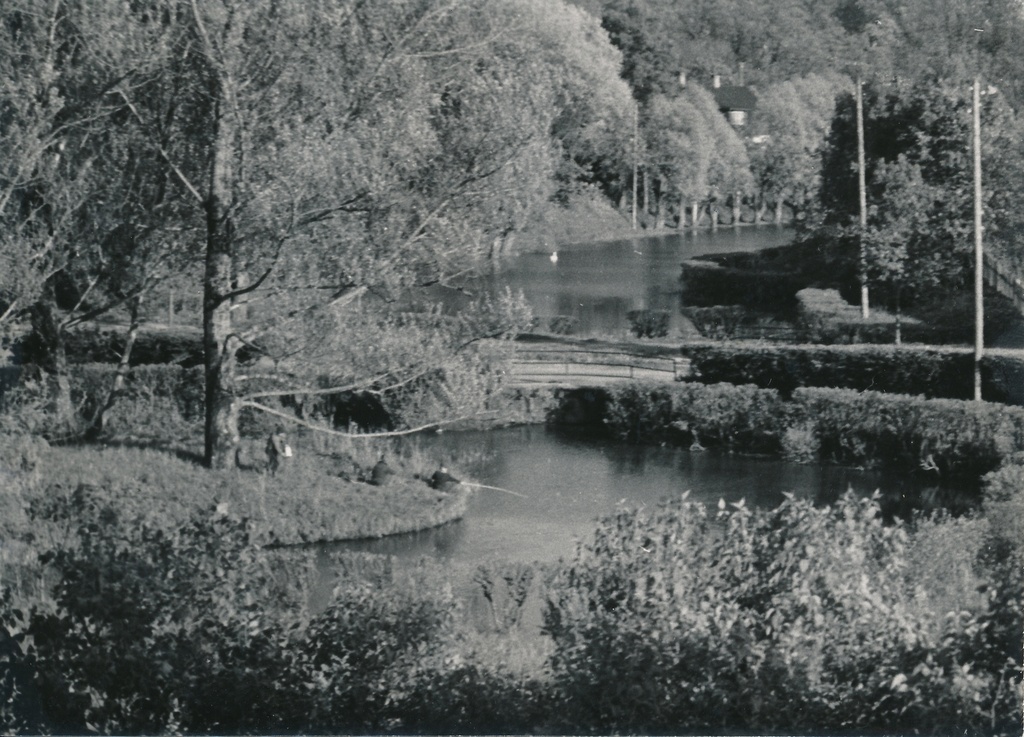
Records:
x=979, y=257
x=865, y=311
x=636, y=154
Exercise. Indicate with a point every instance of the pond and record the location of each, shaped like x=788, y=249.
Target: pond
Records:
x=563, y=481
x=598, y=283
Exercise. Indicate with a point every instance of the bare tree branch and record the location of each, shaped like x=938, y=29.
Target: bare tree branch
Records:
x=367, y=435
x=163, y=152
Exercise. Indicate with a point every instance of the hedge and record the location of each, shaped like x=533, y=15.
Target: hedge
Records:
x=933, y=372
x=707, y=284
x=955, y=438
x=824, y=316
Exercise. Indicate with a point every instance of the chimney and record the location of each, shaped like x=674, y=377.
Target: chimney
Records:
x=682, y=79
x=716, y=81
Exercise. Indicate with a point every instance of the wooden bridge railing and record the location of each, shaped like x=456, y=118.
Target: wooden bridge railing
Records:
x=577, y=366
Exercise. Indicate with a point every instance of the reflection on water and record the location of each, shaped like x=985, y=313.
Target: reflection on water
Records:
x=598, y=283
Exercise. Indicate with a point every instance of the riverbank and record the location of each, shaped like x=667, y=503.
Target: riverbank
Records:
x=590, y=218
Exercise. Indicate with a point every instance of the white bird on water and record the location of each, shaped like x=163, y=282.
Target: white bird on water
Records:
x=554, y=257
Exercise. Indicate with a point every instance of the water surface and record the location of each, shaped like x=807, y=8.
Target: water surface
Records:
x=570, y=481
x=598, y=283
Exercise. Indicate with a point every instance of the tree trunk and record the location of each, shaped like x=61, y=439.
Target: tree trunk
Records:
x=694, y=214
x=99, y=417
x=659, y=209
x=762, y=208
x=778, y=210
x=220, y=345
x=53, y=358
x=737, y=206
x=647, y=192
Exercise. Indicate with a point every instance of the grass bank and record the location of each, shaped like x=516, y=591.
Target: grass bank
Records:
x=309, y=500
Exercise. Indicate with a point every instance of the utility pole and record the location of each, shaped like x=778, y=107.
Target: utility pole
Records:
x=636, y=154
x=865, y=311
x=979, y=257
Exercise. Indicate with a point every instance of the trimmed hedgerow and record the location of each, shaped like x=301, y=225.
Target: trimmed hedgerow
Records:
x=934, y=372
x=952, y=437
x=739, y=417
x=182, y=346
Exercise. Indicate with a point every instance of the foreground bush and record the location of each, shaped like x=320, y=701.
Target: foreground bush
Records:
x=795, y=620
x=200, y=630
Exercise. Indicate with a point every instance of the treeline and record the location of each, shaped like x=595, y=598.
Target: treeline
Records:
x=799, y=59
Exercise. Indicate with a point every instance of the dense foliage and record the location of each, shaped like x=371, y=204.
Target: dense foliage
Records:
x=648, y=323
x=799, y=619
x=670, y=619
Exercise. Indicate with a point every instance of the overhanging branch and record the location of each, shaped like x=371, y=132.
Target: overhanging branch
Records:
x=362, y=435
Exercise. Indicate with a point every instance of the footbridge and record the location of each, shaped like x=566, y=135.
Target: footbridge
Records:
x=572, y=366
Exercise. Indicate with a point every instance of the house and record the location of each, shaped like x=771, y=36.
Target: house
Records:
x=735, y=101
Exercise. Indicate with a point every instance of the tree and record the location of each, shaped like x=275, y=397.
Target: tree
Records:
x=790, y=130
x=918, y=155
x=82, y=207
x=728, y=165
x=681, y=145
x=342, y=157
x=904, y=251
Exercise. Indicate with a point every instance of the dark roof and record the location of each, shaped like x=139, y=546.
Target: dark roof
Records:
x=734, y=97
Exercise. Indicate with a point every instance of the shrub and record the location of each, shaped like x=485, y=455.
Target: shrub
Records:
x=719, y=322
x=158, y=400
x=800, y=444
x=563, y=325
x=707, y=284
x=825, y=317
x=648, y=323
x=738, y=417
x=957, y=438
x=793, y=620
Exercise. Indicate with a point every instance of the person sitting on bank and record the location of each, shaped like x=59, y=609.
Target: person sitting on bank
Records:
x=277, y=448
x=381, y=473
x=442, y=480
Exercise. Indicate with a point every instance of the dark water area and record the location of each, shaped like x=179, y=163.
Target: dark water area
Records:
x=570, y=480
x=598, y=283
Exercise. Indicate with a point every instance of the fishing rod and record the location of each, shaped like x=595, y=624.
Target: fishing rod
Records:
x=496, y=488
